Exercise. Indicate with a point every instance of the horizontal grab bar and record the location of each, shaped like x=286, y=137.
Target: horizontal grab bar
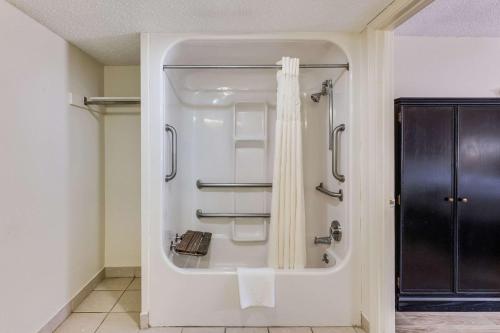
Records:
x=200, y=185
x=200, y=214
x=339, y=194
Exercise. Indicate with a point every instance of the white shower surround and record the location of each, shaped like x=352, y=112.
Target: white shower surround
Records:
x=326, y=296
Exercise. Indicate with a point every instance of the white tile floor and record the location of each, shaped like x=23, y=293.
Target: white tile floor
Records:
x=114, y=306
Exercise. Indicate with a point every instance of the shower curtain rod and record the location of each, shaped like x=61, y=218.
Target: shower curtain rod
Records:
x=346, y=66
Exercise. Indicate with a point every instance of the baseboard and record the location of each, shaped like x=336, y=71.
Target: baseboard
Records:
x=66, y=310
x=449, y=304
x=144, y=320
x=114, y=272
x=365, y=324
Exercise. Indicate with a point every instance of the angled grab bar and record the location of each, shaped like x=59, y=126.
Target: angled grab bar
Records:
x=200, y=214
x=171, y=129
x=336, y=152
x=339, y=194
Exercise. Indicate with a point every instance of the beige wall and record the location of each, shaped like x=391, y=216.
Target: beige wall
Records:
x=123, y=175
x=51, y=173
x=447, y=67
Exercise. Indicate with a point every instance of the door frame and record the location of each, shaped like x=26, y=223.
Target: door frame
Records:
x=377, y=163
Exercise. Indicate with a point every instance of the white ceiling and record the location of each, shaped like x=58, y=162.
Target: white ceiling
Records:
x=455, y=18
x=108, y=29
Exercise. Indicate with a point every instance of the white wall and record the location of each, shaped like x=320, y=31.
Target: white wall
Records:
x=447, y=67
x=123, y=175
x=51, y=173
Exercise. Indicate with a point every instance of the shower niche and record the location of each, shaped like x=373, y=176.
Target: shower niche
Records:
x=224, y=122
x=251, y=164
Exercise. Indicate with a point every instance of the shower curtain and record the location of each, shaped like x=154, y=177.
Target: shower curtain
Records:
x=287, y=248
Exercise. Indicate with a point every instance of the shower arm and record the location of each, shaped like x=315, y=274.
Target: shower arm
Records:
x=327, y=90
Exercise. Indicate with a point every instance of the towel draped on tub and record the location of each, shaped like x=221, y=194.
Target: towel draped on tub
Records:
x=256, y=287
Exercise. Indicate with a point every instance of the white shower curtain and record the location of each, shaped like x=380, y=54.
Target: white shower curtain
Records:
x=287, y=248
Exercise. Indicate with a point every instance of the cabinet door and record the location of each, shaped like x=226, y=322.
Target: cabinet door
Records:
x=427, y=181
x=478, y=203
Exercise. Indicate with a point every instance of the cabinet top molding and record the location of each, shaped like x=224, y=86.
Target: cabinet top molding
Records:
x=448, y=100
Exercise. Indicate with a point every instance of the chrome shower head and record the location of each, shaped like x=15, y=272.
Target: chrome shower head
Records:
x=324, y=91
x=316, y=97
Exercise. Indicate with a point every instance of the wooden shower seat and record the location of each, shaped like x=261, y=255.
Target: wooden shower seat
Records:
x=194, y=243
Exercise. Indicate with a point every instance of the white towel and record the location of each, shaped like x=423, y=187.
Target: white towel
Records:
x=256, y=287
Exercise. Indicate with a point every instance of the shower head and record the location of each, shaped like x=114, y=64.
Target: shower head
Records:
x=316, y=97
x=324, y=91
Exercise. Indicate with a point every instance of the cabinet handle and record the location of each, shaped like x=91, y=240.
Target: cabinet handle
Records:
x=464, y=200
x=449, y=199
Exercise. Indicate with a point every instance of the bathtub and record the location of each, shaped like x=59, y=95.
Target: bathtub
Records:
x=252, y=254
x=224, y=125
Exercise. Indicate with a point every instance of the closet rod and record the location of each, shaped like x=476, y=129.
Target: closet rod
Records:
x=346, y=66
x=110, y=101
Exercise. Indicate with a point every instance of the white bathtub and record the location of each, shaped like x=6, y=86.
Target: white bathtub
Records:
x=208, y=109
x=252, y=254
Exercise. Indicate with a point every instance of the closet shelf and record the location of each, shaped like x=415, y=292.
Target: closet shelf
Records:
x=112, y=101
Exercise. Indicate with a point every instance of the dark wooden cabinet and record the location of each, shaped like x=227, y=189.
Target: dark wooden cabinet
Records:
x=448, y=212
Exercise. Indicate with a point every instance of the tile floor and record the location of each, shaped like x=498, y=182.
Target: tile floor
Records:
x=447, y=322
x=114, y=306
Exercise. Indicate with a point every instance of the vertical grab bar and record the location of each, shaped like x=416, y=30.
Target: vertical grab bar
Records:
x=336, y=153
x=329, y=86
x=171, y=129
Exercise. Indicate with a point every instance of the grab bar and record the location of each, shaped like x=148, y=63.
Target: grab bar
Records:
x=200, y=185
x=171, y=129
x=200, y=214
x=339, y=194
x=329, y=86
x=336, y=153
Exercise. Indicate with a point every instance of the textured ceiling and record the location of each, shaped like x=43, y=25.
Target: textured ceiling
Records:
x=458, y=18
x=108, y=29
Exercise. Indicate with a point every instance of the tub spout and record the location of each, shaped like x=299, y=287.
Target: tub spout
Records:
x=323, y=240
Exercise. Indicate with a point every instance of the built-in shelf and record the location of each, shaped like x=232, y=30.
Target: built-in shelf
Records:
x=250, y=139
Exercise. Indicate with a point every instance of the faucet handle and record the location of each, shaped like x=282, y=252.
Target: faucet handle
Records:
x=336, y=231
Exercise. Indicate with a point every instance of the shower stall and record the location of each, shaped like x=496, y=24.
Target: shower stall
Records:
x=210, y=128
